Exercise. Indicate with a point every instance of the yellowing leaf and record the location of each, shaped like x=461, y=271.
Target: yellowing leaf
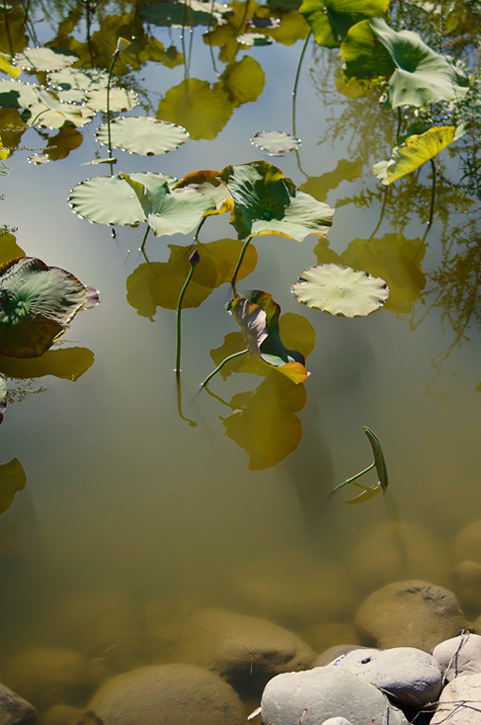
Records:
x=5, y=67
x=12, y=480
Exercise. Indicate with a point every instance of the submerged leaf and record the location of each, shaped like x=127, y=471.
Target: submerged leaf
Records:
x=275, y=142
x=257, y=315
x=44, y=59
x=265, y=202
x=379, y=459
x=340, y=290
x=12, y=480
x=143, y=135
x=366, y=495
x=36, y=304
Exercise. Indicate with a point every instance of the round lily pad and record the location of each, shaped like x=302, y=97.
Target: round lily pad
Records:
x=340, y=290
x=17, y=94
x=82, y=79
x=143, y=135
x=120, y=100
x=44, y=59
x=275, y=143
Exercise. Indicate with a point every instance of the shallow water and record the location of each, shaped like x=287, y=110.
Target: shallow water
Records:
x=130, y=510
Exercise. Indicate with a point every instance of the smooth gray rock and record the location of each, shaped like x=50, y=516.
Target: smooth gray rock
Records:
x=459, y=655
x=329, y=656
x=14, y=710
x=322, y=693
x=410, y=614
x=460, y=702
x=168, y=694
x=337, y=721
x=406, y=675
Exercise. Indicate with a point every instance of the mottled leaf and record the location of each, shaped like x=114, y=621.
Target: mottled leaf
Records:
x=44, y=59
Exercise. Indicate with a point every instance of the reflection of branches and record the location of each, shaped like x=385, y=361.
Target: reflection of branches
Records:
x=23, y=389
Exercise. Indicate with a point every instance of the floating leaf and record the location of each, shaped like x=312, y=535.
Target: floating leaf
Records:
x=257, y=315
x=253, y=39
x=206, y=182
x=3, y=398
x=68, y=363
x=17, y=94
x=203, y=110
x=112, y=199
x=158, y=284
x=340, y=290
x=264, y=422
x=44, y=59
x=51, y=113
x=275, y=143
x=5, y=67
x=331, y=19
x=379, y=459
x=364, y=55
x=38, y=302
x=119, y=100
x=244, y=80
x=79, y=79
x=12, y=480
x=265, y=202
x=413, y=153
x=177, y=13
x=143, y=135
x=178, y=210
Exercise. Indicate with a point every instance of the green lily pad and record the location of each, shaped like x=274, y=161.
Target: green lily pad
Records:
x=178, y=210
x=113, y=200
x=331, y=19
x=38, y=302
x=275, y=143
x=143, y=135
x=51, y=113
x=79, y=79
x=12, y=480
x=340, y=290
x=364, y=55
x=257, y=315
x=17, y=94
x=44, y=59
x=120, y=100
x=265, y=202
x=206, y=182
x=176, y=13
x=414, y=152
x=3, y=397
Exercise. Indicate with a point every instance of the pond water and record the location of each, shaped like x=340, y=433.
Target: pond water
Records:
x=136, y=512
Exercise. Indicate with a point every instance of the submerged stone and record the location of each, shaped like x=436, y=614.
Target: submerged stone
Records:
x=14, y=710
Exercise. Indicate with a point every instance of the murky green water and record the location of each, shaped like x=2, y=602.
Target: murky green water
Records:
x=133, y=518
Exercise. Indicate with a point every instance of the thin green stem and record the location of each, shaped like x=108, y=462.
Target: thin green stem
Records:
x=238, y=265
x=433, y=193
x=114, y=58
x=145, y=238
x=202, y=222
x=179, y=312
x=221, y=365
x=192, y=423
x=399, y=123
x=351, y=480
x=296, y=83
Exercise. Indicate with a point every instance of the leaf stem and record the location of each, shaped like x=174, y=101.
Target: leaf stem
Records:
x=433, y=193
x=238, y=265
x=221, y=365
x=145, y=238
x=179, y=311
x=296, y=82
x=352, y=479
x=202, y=222
x=114, y=58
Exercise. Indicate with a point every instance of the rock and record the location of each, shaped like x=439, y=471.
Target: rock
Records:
x=467, y=545
x=246, y=651
x=66, y=715
x=384, y=555
x=297, y=590
x=412, y=614
x=316, y=695
x=329, y=656
x=50, y=675
x=459, y=655
x=467, y=586
x=169, y=694
x=337, y=721
x=14, y=710
x=409, y=676
x=323, y=636
x=459, y=703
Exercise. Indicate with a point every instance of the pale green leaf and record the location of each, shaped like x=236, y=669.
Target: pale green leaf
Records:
x=143, y=135
x=275, y=143
x=44, y=59
x=330, y=20
x=17, y=94
x=120, y=100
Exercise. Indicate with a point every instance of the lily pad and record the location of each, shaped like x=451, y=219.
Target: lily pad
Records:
x=38, y=302
x=51, y=113
x=340, y=290
x=79, y=79
x=17, y=94
x=143, y=135
x=414, y=152
x=12, y=480
x=257, y=315
x=120, y=100
x=44, y=59
x=113, y=199
x=331, y=19
x=206, y=182
x=178, y=210
x=275, y=143
x=265, y=202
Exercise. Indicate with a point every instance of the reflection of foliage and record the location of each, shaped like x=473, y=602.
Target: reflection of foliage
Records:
x=12, y=480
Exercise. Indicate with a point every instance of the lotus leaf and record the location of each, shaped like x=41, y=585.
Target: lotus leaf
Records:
x=80, y=79
x=206, y=182
x=264, y=422
x=257, y=315
x=364, y=55
x=16, y=94
x=330, y=20
x=12, y=480
x=421, y=76
x=116, y=199
x=414, y=152
x=275, y=143
x=3, y=397
x=177, y=13
x=252, y=39
x=119, y=100
x=178, y=210
x=393, y=257
x=143, y=135
x=51, y=113
x=296, y=332
x=244, y=80
x=44, y=59
x=38, y=302
x=265, y=202
x=68, y=363
x=293, y=28
x=5, y=67
x=203, y=110
x=158, y=284
x=340, y=290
